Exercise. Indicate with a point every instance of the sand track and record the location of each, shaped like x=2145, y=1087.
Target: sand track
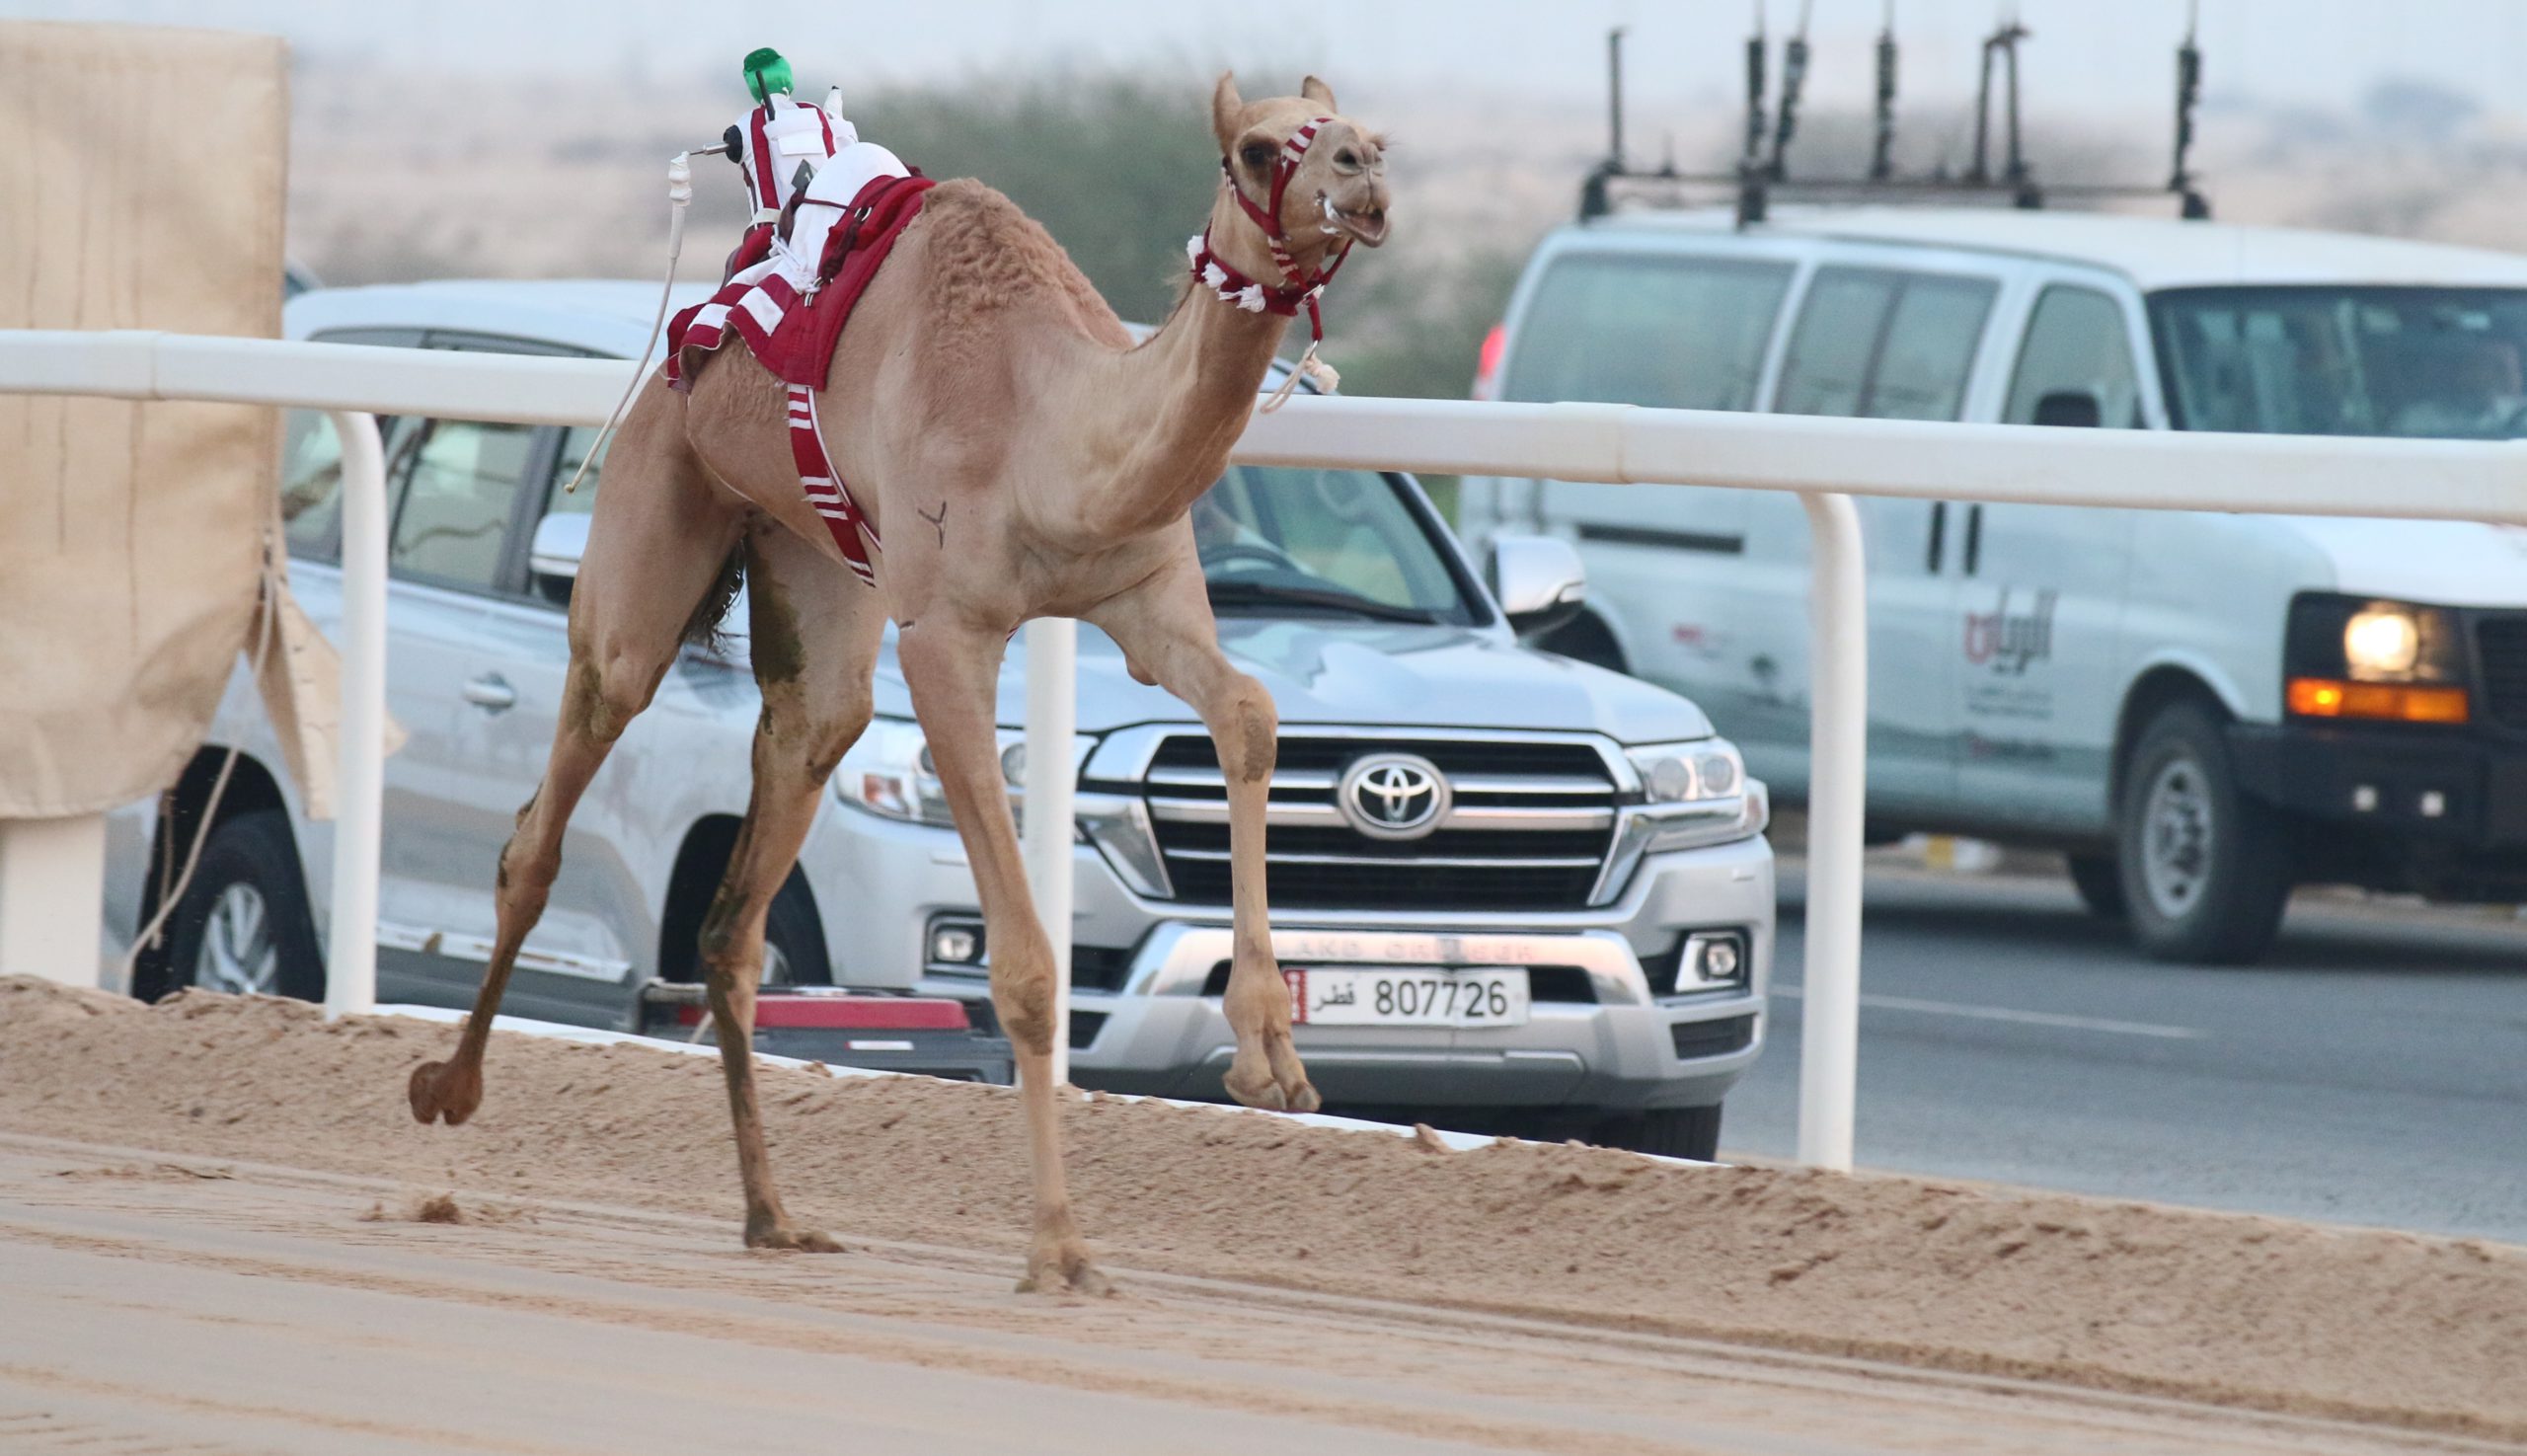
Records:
x=1519, y=1297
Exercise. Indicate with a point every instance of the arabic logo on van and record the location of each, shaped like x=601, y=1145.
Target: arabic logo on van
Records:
x=1394, y=796
x=2008, y=640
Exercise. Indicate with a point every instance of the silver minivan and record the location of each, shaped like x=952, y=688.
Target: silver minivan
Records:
x=2203, y=710
x=1502, y=881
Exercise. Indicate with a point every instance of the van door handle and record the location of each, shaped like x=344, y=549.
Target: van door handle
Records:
x=1973, y=539
x=491, y=692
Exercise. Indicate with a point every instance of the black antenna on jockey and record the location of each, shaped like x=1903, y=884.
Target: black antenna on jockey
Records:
x=2189, y=95
x=1881, y=157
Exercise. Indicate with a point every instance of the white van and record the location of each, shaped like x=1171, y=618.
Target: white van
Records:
x=2202, y=711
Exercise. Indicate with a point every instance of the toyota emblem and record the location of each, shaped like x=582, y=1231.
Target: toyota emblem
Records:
x=1394, y=796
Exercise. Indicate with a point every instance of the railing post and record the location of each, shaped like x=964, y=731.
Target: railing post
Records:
x=52, y=895
x=359, y=775
x=1837, y=800
x=1052, y=715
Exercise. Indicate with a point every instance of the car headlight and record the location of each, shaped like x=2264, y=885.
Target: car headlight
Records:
x=891, y=774
x=1685, y=773
x=2351, y=656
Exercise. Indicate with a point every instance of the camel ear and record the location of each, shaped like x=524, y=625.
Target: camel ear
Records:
x=1318, y=92
x=1227, y=110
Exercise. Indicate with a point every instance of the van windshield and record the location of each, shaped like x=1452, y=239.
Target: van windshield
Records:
x=2435, y=363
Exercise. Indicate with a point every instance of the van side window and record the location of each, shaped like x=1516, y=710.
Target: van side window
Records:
x=1886, y=345
x=1671, y=332
x=2076, y=344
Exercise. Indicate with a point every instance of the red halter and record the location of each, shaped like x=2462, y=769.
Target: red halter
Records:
x=1297, y=288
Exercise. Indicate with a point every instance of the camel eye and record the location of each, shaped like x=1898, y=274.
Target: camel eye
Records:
x=1347, y=157
x=1257, y=154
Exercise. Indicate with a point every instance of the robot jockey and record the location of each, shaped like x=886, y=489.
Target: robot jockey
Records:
x=778, y=145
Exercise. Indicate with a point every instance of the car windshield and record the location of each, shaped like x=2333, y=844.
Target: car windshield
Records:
x=2441, y=363
x=1342, y=542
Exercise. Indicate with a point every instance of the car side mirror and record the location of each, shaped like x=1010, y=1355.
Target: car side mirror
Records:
x=1539, y=581
x=2074, y=409
x=553, y=557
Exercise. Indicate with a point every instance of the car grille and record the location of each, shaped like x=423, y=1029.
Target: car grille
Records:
x=2503, y=643
x=1531, y=826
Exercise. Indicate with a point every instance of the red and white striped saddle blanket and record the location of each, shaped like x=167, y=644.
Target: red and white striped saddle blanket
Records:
x=790, y=309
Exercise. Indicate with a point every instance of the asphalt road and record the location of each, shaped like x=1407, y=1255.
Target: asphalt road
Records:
x=2372, y=1071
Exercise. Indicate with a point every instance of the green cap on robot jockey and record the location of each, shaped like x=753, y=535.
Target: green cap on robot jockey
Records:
x=767, y=72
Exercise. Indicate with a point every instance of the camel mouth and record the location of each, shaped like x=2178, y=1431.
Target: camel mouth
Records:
x=1367, y=225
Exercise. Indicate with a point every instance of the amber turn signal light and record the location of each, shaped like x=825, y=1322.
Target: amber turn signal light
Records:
x=2323, y=697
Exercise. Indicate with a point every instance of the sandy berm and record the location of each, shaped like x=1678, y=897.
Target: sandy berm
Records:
x=2228, y=1308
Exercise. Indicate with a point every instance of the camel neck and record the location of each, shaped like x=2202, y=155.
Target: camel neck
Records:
x=1185, y=396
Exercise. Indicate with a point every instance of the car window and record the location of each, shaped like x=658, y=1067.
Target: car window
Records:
x=2076, y=341
x=2444, y=363
x=574, y=447
x=1885, y=346
x=311, y=484
x=1676, y=333
x=1839, y=329
x=456, y=485
x=1349, y=532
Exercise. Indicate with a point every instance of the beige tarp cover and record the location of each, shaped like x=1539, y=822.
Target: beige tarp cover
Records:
x=143, y=172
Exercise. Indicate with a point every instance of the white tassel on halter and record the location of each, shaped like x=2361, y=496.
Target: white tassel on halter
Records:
x=1314, y=371
x=679, y=195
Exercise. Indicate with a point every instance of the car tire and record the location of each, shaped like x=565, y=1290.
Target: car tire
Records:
x=793, y=939
x=244, y=925
x=2206, y=869
x=1665, y=1132
x=2099, y=881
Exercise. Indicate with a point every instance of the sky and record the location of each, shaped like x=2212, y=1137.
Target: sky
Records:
x=2085, y=58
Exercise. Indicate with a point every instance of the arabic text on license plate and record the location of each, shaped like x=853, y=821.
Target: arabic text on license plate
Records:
x=1404, y=996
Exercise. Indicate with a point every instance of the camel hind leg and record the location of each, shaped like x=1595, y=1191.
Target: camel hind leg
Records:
x=656, y=547
x=814, y=630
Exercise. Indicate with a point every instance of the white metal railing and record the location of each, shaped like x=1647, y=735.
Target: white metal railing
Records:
x=1823, y=461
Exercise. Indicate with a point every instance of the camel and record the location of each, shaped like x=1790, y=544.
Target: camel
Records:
x=1020, y=458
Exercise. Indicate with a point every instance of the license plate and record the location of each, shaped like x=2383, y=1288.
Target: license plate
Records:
x=1404, y=996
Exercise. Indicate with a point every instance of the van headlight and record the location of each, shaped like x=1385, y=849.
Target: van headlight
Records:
x=2352, y=656
x=891, y=774
x=1685, y=773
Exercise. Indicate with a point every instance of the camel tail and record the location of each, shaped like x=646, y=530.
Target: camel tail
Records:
x=702, y=629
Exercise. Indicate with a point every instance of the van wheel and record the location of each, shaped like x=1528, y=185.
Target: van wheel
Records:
x=243, y=926
x=1665, y=1132
x=1584, y=639
x=2099, y=881
x=2206, y=869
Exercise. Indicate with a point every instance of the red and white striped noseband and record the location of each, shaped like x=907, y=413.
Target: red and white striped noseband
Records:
x=1298, y=288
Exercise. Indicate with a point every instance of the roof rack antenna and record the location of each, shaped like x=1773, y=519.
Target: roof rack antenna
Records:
x=1755, y=89
x=1594, y=201
x=2189, y=95
x=1793, y=80
x=1882, y=158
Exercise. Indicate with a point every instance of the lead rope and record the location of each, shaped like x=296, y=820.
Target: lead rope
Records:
x=679, y=194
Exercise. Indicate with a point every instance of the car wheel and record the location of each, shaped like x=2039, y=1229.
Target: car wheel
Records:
x=2206, y=869
x=1666, y=1133
x=2099, y=881
x=794, y=940
x=243, y=926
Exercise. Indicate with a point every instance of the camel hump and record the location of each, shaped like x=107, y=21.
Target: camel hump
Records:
x=988, y=257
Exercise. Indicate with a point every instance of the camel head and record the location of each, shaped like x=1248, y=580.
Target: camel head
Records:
x=1334, y=189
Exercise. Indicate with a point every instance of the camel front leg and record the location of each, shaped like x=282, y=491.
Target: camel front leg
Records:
x=1166, y=630
x=953, y=670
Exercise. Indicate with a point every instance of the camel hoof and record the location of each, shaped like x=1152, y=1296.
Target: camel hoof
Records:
x=1067, y=1272
x=442, y=1090
x=1284, y=1088
x=794, y=1240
